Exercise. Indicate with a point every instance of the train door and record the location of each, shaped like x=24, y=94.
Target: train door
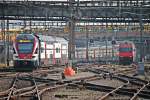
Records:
x=42, y=52
x=64, y=54
x=57, y=52
x=50, y=53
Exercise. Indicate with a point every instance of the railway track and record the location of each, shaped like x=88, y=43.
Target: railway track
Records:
x=133, y=87
x=11, y=72
x=15, y=91
x=37, y=87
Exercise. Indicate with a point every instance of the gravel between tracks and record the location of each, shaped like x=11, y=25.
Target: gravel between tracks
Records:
x=5, y=84
x=72, y=94
x=69, y=93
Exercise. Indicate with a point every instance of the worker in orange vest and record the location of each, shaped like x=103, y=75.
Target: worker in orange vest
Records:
x=68, y=71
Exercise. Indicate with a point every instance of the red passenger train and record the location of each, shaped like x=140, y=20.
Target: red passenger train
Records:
x=127, y=53
x=32, y=51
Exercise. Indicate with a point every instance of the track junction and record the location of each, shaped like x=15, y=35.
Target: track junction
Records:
x=104, y=82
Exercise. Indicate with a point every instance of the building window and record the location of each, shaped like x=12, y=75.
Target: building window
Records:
x=57, y=50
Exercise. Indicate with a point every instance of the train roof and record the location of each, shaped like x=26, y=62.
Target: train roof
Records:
x=126, y=42
x=52, y=39
x=45, y=38
x=95, y=47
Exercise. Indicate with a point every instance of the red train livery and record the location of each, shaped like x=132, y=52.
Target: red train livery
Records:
x=31, y=51
x=127, y=52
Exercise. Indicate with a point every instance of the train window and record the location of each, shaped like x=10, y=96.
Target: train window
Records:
x=125, y=49
x=51, y=56
x=57, y=50
x=25, y=47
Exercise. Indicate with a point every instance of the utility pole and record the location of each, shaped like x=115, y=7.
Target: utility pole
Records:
x=24, y=17
x=30, y=24
x=87, y=40
x=46, y=15
x=106, y=50
x=4, y=41
x=7, y=41
x=106, y=40
x=4, y=34
x=71, y=46
x=141, y=35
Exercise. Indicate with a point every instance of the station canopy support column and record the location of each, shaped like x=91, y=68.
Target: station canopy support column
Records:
x=71, y=48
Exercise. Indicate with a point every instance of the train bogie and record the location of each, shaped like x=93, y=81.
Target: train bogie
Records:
x=125, y=60
x=25, y=65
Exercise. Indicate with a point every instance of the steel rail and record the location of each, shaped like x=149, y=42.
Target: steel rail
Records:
x=113, y=91
x=36, y=88
x=108, y=94
x=33, y=89
x=32, y=92
x=46, y=86
x=4, y=93
x=52, y=88
x=121, y=91
x=13, y=87
x=132, y=80
x=6, y=74
x=26, y=89
x=136, y=94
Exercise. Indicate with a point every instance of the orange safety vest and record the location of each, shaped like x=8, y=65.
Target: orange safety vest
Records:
x=69, y=71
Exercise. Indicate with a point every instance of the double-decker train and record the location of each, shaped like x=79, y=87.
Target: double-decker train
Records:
x=127, y=52
x=123, y=52
x=32, y=51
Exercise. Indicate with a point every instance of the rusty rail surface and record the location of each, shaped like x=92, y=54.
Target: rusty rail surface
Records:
x=106, y=96
x=121, y=89
x=13, y=87
x=40, y=89
x=137, y=93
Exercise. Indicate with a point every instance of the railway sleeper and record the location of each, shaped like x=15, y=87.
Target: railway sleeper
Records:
x=121, y=91
x=121, y=79
x=98, y=86
x=98, y=89
x=133, y=78
x=38, y=79
x=136, y=83
x=144, y=95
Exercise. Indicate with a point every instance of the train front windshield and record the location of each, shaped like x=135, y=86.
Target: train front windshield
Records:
x=125, y=49
x=25, y=43
x=25, y=47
